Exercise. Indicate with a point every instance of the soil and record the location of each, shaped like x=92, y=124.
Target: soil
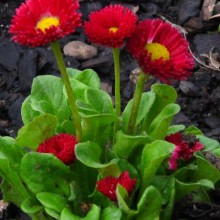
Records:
x=199, y=97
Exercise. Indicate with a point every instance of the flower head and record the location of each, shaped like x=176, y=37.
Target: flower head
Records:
x=38, y=22
x=108, y=185
x=62, y=146
x=161, y=50
x=185, y=147
x=110, y=26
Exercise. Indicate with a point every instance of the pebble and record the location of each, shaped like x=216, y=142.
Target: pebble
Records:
x=80, y=50
x=213, y=121
x=27, y=69
x=188, y=88
x=188, y=9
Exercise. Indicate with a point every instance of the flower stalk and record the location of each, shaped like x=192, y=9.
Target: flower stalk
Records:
x=72, y=101
x=116, y=57
x=136, y=102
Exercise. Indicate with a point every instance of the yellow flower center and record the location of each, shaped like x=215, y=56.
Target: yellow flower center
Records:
x=157, y=51
x=47, y=22
x=113, y=29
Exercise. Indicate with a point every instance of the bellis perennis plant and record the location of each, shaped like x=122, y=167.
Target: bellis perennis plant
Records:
x=78, y=154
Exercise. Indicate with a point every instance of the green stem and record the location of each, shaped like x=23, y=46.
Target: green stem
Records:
x=116, y=53
x=72, y=101
x=116, y=57
x=136, y=102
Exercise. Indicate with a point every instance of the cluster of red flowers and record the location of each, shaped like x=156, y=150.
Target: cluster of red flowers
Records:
x=158, y=47
x=62, y=146
x=185, y=146
x=108, y=185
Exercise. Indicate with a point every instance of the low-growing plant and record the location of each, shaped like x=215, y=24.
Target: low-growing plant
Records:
x=78, y=155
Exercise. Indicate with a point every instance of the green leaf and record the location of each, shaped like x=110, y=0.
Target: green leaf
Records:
x=182, y=189
x=38, y=168
x=68, y=215
x=27, y=112
x=31, y=205
x=52, y=213
x=72, y=73
x=52, y=201
x=122, y=196
x=216, y=152
x=111, y=213
x=161, y=123
x=209, y=144
x=11, y=151
x=187, y=182
x=193, y=130
x=47, y=97
x=152, y=156
x=78, y=88
x=93, y=214
x=85, y=109
x=165, y=95
x=82, y=174
x=37, y=131
x=174, y=129
x=126, y=144
x=89, y=153
x=206, y=170
x=97, y=128
x=149, y=205
x=89, y=77
x=99, y=101
x=8, y=193
x=67, y=127
x=166, y=187
x=15, y=191
x=146, y=103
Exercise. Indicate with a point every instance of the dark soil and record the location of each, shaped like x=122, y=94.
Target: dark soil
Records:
x=199, y=97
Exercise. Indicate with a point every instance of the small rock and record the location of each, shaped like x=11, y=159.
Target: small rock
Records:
x=213, y=121
x=188, y=9
x=80, y=50
x=3, y=207
x=106, y=87
x=128, y=91
x=9, y=54
x=87, y=7
x=150, y=9
x=100, y=61
x=188, y=88
x=197, y=25
x=181, y=118
x=205, y=42
x=214, y=133
x=14, y=112
x=27, y=69
x=71, y=62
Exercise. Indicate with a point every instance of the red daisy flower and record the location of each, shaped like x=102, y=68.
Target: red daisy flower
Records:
x=38, y=22
x=161, y=50
x=110, y=26
x=62, y=146
x=186, y=145
x=108, y=185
